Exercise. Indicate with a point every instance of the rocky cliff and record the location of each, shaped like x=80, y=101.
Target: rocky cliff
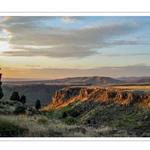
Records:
x=104, y=96
x=1, y=92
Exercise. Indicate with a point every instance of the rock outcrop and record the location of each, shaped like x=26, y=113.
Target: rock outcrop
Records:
x=105, y=96
x=1, y=92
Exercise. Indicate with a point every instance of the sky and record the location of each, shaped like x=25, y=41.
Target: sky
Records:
x=49, y=47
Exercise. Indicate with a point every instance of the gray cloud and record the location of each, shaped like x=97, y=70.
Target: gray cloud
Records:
x=27, y=31
x=126, y=54
x=63, y=51
x=71, y=19
x=131, y=42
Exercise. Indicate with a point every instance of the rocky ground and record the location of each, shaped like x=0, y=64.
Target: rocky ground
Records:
x=105, y=96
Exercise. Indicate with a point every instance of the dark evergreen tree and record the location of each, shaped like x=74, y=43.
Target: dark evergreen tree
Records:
x=23, y=99
x=37, y=104
x=15, y=96
x=1, y=92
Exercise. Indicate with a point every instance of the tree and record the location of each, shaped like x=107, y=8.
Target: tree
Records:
x=1, y=92
x=23, y=99
x=37, y=104
x=15, y=96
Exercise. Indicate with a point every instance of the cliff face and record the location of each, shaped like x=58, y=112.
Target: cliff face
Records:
x=1, y=92
x=104, y=96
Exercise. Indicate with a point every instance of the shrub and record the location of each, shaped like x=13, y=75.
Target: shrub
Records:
x=10, y=129
x=15, y=96
x=64, y=115
x=37, y=104
x=52, y=133
x=23, y=99
x=1, y=92
x=42, y=121
x=70, y=121
x=78, y=129
x=74, y=113
x=19, y=110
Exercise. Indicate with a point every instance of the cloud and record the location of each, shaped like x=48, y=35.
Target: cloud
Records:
x=29, y=36
x=70, y=19
x=126, y=54
x=62, y=51
x=129, y=42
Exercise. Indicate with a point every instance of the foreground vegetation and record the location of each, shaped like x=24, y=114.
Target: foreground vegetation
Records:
x=40, y=126
x=79, y=119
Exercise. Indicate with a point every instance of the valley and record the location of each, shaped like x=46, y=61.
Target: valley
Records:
x=70, y=109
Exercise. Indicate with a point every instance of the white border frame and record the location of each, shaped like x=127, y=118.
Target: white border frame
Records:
x=89, y=139
x=74, y=14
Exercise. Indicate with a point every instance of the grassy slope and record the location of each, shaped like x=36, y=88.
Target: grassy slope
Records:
x=79, y=119
x=121, y=120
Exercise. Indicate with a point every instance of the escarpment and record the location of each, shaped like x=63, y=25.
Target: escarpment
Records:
x=104, y=96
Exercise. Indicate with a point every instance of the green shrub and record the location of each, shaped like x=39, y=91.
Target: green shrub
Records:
x=15, y=96
x=70, y=121
x=19, y=110
x=52, y=133
x=64, y=115
x=10, y=129
x=23, y=99
x=1, y=92
x=42, y=121
x=38, y=104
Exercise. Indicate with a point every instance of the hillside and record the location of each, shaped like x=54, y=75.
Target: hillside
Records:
x=77, y=111
x=94, y=80
x=135, y=79
x=113, y=112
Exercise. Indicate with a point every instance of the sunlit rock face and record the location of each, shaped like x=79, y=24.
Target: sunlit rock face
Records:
x=104, y=96
x=1, y=92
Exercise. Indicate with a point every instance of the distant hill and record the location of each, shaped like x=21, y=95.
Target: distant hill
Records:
x=135, y=79
x=95, y=80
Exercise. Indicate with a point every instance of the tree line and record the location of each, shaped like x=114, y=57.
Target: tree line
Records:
x=15, y=97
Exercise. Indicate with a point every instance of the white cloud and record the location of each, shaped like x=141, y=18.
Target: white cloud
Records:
x=28, y=37
x=69, y=19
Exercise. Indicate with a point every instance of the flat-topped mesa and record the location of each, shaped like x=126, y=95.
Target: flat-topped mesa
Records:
x=1, y=92
x=66, y=96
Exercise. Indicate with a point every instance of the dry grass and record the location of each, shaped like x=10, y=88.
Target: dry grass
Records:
x=133, y=87
x=41, y=126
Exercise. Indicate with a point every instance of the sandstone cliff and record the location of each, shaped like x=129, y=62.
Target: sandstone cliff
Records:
x=104, y=96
